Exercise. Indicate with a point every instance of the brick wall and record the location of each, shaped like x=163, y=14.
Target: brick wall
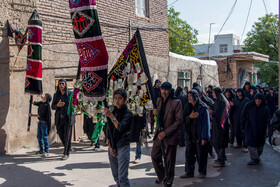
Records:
x=57, y=25
x=227, y=78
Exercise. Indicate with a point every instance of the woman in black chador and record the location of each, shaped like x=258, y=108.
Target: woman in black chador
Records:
x=220, y=127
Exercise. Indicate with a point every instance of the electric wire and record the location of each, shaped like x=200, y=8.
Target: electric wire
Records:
x=272, y=28
x=173, y=3
x=246, y=20
x=229, y=15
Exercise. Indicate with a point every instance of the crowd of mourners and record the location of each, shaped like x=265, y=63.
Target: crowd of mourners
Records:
x=205, y=123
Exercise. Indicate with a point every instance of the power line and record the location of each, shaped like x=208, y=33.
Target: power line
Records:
x=271, y=24
x=246, y=20
x=198, y=50
x=229, y=14
x=173, y=3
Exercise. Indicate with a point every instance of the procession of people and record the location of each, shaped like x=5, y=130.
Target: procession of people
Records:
x=218, y=118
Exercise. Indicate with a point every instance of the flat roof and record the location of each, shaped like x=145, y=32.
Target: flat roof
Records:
x=193, y=59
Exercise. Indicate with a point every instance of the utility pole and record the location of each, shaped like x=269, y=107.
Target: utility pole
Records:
x=279, y=60
x=208, y=51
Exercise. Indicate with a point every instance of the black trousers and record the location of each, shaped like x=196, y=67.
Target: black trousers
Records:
x=210, y=147
x=231, y=134
x=182, y=135
x=65, y=134
x=196, y=152
x=241, y=141
x=157, y=159
x=152, y=122
x=221, y=153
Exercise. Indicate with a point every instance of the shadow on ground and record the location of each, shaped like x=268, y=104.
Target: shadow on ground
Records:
x=15, y=175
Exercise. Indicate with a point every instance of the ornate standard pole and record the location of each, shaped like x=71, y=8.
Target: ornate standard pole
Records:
x=33, y=80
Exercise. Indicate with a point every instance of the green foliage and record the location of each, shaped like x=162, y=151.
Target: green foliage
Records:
x=263, y=33
x=268, y=73
x=182, y=42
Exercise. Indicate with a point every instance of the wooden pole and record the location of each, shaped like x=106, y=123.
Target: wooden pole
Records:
x=30, y=110
x=14, y=64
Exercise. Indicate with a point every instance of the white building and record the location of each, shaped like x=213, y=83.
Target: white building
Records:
x=224, y=45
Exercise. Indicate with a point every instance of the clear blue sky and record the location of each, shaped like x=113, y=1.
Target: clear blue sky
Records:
x=200, y=13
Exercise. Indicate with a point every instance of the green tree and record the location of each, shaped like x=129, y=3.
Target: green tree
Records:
x=263, y=33
x=181, y=35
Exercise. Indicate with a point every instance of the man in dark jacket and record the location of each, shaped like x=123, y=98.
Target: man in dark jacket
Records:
x=255, y=120
x=272, y=101
x=157, y=95
x=198, y=136
x=170, y=118
x=238, y=105
x=220, y=127
x=118, y=130
x=62, y=121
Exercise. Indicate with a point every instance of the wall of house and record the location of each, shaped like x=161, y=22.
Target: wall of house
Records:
x=177, y=64
x=227, y=78
x=4, y=83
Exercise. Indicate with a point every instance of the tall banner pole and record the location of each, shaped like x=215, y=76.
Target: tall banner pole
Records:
x=33, y=80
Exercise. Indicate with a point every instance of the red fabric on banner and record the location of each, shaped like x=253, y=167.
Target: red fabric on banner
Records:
x=93, y=54
x=34, y=34
x=81, y=3
x=34, y=69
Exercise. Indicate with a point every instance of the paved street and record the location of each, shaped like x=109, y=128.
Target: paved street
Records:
x=88, y=168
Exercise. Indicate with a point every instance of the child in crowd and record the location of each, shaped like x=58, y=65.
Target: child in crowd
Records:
x=44, y=124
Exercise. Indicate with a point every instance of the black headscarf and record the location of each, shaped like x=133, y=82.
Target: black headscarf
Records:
x=254, y=93
x=253, y=104
x=194, y=93
x=221, y=106
x=232, y=94
x=242, y=92
x=247, y=83
x=157, y=81
x=261, y=97
x=211, y=87
x=205, y=98
x=195, y=84
x=178, y=91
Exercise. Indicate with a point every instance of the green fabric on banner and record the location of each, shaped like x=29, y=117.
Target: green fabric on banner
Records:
x=98, y=129
x=36, y=53
x=254, y=80
x=70, y=104
x=94, y=29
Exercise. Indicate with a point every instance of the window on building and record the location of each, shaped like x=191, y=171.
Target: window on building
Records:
x=141, y=8
x=184, y=78
x=223, y=48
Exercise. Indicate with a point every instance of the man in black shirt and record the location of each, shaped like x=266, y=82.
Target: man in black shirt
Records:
x=60, y=105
